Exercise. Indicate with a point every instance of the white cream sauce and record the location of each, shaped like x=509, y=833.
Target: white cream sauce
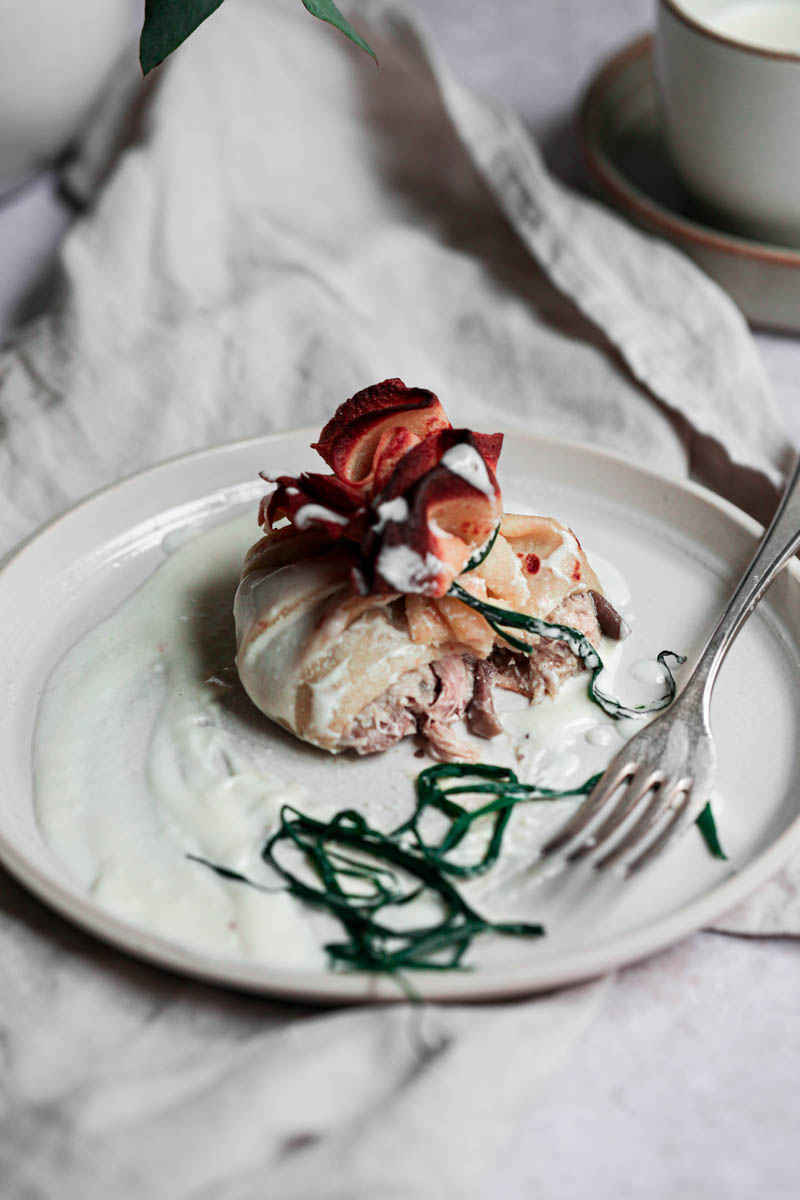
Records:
x=465, y=461
x=407, y=570
x=391, y=510
x=560, y=742
x=648, y=670
x=771, y=24
x=147, y=750
x=309, y=513
x=561, y=560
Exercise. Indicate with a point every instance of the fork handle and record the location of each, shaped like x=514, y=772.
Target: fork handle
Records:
x=777, y=546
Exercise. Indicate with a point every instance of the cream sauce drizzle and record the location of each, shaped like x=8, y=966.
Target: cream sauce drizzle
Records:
x=648, y=670
x=391, y=510
x=562, y=560
x=407, y=570
x=144, y=753
x=309, y=513
x=465, y=461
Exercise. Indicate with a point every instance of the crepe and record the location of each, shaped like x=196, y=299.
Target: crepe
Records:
x=348, y=633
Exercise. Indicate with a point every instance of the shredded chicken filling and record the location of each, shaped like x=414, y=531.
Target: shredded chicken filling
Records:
x=430, y=700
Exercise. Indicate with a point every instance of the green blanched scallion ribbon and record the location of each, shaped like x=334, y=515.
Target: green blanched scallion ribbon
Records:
x=482, y=553
x=502, y=620
x=372, y=944
x=359, y=875
x=500, y=783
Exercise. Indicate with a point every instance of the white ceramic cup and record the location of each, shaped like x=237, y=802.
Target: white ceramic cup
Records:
x=732, y=109
x=55, y=56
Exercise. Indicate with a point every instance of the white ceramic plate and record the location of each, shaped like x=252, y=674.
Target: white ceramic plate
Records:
x=680, y=547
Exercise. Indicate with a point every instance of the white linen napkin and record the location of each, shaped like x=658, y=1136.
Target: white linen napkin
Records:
x=294, y=221
x=290, y=224
x=125, y=1082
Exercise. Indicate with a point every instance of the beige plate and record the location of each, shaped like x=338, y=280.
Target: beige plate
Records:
x=628, y=161
x=680, y=547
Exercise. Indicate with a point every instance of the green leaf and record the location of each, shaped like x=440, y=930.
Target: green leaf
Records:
x=326, y=10
x=708, y=827
x=167, y=23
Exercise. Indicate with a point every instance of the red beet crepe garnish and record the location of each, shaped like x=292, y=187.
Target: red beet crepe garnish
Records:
x=418, y=497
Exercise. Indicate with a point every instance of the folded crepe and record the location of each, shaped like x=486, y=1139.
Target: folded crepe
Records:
x=347, y=631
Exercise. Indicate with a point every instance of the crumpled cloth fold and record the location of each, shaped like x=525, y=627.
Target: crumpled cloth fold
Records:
x=288, y=225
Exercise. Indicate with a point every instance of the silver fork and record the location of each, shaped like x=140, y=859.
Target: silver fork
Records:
x=666, y=771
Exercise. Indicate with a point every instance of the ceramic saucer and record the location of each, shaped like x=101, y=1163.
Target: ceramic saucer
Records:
x=627, y=158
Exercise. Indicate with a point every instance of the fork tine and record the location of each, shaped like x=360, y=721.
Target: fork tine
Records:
x=661, y=803
x=640, y=783
x=663, y=839
x=598, y=796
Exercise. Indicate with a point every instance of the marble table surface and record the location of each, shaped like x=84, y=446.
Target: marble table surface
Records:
x=686, y=1081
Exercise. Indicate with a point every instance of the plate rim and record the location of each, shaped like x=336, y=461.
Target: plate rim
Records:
x=330, y=987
